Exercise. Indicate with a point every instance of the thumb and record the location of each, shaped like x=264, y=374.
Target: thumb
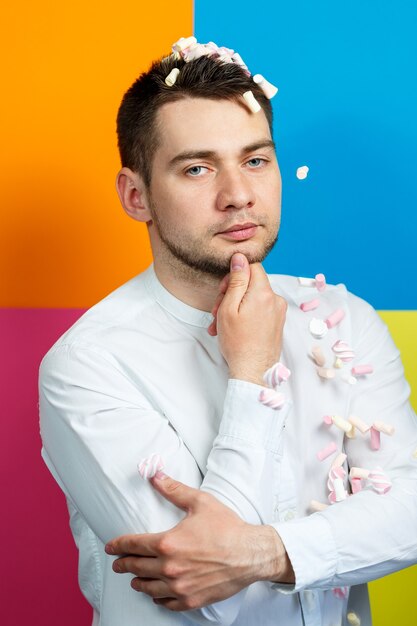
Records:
x=183, y=496
x=238, y=279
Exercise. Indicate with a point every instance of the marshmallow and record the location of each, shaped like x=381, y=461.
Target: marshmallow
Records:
x=415, y=454
x=338, y=363
x=306, y=282
x=361, y=370
x=356, y=485
x=341, y=592
x=251, y=101
x=325, y=372
x=320, y=282
x=315, y=505
x=327, y=451
x=183, y=43
x=327, y=419
x=384, y=428
x=276, y=374
x=353, y=619
x=375, y=439
x=318, y=356
x=148, y=466
x=310, y=305
x=342, y=350
x=239, y=61
x=318, y=328
x=272, y=398
x=360, y=424
x=379, y=481
x=358, y=472
x=343, y=425
x=339, y=489
x=172, y=77
x=339, y=460
x=302, y=172
x=334, y=318
x=195, y=51
x=351, y=380
x=268, y=88
x=335, y=485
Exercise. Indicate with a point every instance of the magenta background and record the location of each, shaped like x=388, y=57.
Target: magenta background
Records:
x=39, y=557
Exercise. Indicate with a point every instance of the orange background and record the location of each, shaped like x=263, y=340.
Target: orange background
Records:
x=66, y=68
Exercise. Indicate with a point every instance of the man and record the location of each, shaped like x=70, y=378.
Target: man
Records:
x=177, y=363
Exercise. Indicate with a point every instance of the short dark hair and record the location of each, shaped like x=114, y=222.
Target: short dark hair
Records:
x=205, y=77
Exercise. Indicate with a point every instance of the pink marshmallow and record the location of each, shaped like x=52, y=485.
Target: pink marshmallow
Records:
x=375, y=439
x=271, y=398
x=356, y=485
x=320, y=282
x=361, y=370
x=310, y=305
x=327, y=451
x=334, y=318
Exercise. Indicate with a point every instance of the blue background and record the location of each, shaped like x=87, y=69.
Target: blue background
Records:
x=347, y=108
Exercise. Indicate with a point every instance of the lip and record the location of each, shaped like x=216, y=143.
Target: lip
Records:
x=238, y=227
x=241, y=233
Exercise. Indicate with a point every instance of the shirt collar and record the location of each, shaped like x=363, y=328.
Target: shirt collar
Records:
x=173, y=305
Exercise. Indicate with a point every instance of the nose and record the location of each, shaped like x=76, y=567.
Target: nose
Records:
x=234, y=191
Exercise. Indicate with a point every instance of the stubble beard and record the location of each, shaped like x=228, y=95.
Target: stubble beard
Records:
x=190, y=257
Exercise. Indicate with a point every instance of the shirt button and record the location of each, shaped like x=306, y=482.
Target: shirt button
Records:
x=289, y=515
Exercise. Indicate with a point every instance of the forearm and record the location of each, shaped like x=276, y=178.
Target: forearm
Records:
x=242, y=468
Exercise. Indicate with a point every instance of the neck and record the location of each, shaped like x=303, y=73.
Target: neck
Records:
x=195, y=288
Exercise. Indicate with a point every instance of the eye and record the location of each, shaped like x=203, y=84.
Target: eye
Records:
x=256, y=162
x=196, y=170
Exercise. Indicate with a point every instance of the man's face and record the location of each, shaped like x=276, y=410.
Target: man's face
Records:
x=215, y=168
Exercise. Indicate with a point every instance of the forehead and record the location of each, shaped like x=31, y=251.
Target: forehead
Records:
x=201, y=124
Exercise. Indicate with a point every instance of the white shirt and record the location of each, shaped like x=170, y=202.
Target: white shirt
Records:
x=138, y=373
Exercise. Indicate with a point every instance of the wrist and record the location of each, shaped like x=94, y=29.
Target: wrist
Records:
x=274, y=564
x=257, y=380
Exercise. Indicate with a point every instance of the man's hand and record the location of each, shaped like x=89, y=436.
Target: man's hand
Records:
x=209, y=556
x=248, y=319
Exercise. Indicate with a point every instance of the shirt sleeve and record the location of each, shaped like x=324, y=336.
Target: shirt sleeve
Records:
x=96, y=426
x=367, y=535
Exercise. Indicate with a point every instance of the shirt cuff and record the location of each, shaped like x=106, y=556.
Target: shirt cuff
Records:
x=246, y=418
x=311, y=548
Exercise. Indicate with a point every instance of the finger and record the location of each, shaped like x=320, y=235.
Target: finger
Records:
x=181, y=495
x=212, y=329
x=258, y=277
x=140, y=566
x=153, y=588
x=140, y=545
x=238, y=281
x=172, y=604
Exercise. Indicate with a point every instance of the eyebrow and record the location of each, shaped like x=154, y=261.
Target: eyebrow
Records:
x=212, y=154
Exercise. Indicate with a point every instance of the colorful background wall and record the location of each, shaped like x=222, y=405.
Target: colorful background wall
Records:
x=346, y=106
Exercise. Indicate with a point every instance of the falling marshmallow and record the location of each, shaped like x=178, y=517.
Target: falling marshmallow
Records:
x=268, y=88
x=302, y=172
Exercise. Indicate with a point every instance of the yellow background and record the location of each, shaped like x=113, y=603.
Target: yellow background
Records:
x=64, y=239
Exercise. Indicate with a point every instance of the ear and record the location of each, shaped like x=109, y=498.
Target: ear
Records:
x=132, y=194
